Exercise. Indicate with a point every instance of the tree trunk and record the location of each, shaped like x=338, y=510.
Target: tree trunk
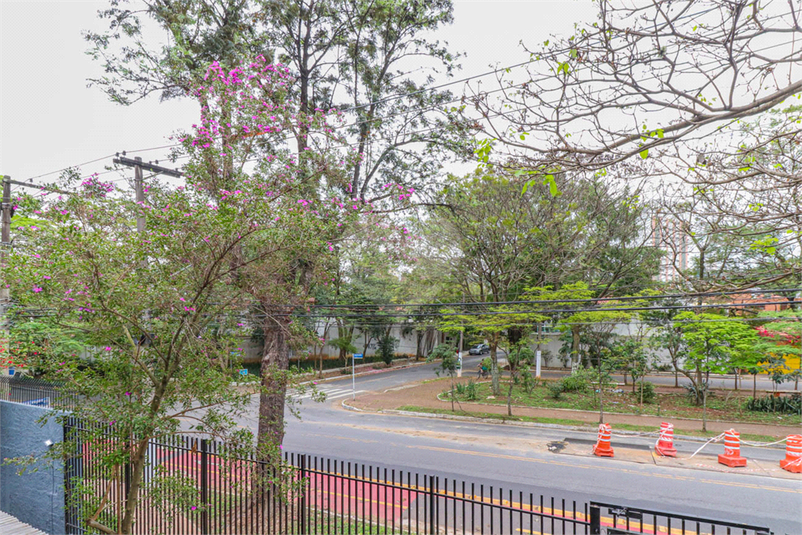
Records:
x=574, y=345
x=601, y=396
x=704, y=410
x=137, y=468
x=509, y=396
x=641, y=392
x=418, y=348
x=698, y=385
x=538, y=353
x=275, y=364
x=453, y=392
x=754, y=385
x=495, y=373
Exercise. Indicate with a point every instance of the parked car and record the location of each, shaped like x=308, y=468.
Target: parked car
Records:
x=481, y=349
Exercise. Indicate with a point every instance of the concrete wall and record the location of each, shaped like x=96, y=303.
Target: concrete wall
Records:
x=36, y=498
x=407, y=344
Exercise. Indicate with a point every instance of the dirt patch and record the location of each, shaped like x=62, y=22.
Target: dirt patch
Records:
x=424, y=394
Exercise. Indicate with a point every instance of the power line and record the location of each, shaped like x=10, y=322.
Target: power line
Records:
x=536, y=312
x=551, y=301
x=431, y=88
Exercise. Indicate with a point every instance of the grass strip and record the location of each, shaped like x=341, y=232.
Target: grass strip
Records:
x=579, y=423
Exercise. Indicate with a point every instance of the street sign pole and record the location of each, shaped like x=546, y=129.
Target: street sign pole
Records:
x=354, y=356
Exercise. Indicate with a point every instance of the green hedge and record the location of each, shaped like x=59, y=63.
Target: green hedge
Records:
x=254, y=368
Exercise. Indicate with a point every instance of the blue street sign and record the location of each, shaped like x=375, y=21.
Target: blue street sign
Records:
x=358, y=355
x=41, y=402
x=243, y=372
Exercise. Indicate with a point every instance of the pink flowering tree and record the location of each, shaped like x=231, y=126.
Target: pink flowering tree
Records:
x=240, y=242
x=287, y=170
x=150, y=312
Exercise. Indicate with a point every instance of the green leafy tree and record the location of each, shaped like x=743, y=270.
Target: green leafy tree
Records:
x=715, y=343
x=782, y=340
x=666, y=335
x=347, y=55
x=495, y=242
x=150, y=312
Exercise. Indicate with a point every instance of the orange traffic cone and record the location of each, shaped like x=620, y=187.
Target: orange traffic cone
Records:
x=665, y=444
x=602, y=447
x=732, y=450
x=793, y=454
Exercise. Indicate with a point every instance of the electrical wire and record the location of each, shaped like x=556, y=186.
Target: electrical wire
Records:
x=550, y=301
x=542, y=311
x=463, y=80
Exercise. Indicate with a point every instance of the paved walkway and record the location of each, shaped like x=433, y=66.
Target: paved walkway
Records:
x=11, y=526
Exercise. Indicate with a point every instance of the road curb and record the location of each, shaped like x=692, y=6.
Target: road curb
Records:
x=339, y=377
x=371, y=372
x=536, y=425
x=634, y=415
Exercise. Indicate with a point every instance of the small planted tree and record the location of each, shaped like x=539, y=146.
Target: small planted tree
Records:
x=715, y=343
x=449, y=363
x=519, y=359
x=386, y=349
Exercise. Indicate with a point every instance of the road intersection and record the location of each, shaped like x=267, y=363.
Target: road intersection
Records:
x=518, y=458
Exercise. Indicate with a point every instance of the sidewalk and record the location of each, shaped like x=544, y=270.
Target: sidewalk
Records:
x=9, y=525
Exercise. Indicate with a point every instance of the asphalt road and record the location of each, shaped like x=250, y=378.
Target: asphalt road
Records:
x=493, y=454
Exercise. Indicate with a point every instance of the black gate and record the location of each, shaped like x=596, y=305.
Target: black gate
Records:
x=611, y=519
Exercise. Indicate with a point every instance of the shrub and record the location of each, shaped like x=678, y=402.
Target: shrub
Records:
x=649, y=395
x=441, y=351
x=527, y=380
x=460, y=389
x=789, y=405
x=691, y=390
x=555, y=389
x=386, y=349
x=471, y=394
x=579, y=381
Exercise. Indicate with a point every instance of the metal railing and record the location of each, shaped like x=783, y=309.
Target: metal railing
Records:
x=623, y=520
x=193, y=486
x=197, y=487
x=29, y=391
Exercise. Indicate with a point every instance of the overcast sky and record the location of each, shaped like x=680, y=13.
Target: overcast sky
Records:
x=51, y=120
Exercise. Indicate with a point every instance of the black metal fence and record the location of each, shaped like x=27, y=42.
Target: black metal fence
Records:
x=192, y=486
x=30, y=391
x=616, y=519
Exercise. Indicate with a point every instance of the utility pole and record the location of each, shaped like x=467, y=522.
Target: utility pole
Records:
x=5, y=243
x=140, y=195
x=138, y=166
x=5, y=239
x=459, y=355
